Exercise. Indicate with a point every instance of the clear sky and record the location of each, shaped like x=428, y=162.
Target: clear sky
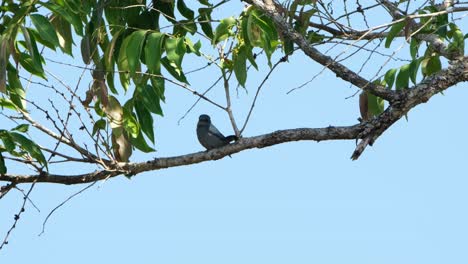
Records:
x=404, y=201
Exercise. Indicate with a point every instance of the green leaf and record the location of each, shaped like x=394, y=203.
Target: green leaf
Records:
x=84, y=6
x=414, y=47
x=3, y=169
x=148, y=19
x=70, y=17
x=40, y=40
x=17, y=94
x=85, y=48
x=375, y=104
x=145, y=120
x=140, y=143
x=431, y=65
x=167, y=8
x=428, y=25
x=3, y=64
x=109, y=58
x=110, y=81
x=175, y=50
x=193, y=48
x=30, y=147
x=114, y=113
x=184, y=10
x=26, y=61
x=184, y=26
x=174, y=70
x=133, y=49
x=45, y=29
x=394, y=31
x=35, y=56
x=223, y=30
x=240, y=68
x=205, y=2
x=99, y=125
x=146, y=95
x=390, y=77
x=98, y=109
x=153, y=51
x=292, y=8
x=314, y=37
x=115, y=14
x=302, y=23
x=74, y=5
x=158, y=84
x=244, y=22
x=133, y=16
x=253, y=30
x=250, y=56
x=5, y=103
x=458, y=42
x=22, y=128
x=205, y=21
x=197, y=47
x=262, y=33
x=413, y=69
x=269, y=47
x=7, y=140
x=441, y=24
x=265, y=23
x=130, y=123
x=122, y=64
x=28, y=42
x=109, y=51
x=226, y=64
x=402, y=80
x=121, y=144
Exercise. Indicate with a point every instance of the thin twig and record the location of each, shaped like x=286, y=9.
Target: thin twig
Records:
x=17, y=216
x=228, y=96
x=198, y=99
x=62, y=203
x=258, y=91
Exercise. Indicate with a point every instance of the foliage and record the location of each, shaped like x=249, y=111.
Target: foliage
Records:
x=129, y=40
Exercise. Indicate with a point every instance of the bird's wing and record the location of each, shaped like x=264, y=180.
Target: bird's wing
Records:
x=215, y=132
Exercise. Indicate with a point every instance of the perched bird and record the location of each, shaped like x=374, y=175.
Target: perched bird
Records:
x=209, y=136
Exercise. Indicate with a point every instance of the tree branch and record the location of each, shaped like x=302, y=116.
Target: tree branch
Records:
x=339, y=69
x=367, y=131
x=278, y=137
x=398, y=15
x=432, y=39
x=409, y=98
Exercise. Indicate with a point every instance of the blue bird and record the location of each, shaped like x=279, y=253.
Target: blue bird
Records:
x=209, y=136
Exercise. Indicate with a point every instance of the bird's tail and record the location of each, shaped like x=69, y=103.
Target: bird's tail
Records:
x=231, y=138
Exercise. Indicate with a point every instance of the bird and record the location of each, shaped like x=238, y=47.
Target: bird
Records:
x=209, y=136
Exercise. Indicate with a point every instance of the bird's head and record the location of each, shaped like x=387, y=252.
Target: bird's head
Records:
x=204, y=119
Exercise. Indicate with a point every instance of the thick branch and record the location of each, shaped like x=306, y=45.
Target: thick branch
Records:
x=409, y=98
x=278, y=137
x=392, y=9
x=397, y=15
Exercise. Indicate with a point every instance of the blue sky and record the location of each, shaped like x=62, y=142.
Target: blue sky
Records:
x=403, y=201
